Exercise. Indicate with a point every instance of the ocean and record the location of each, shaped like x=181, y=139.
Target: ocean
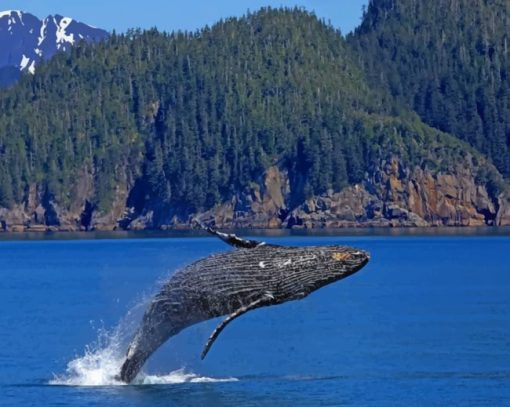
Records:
x=426, y=322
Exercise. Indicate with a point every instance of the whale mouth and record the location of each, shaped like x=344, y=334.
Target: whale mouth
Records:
x=363, y=257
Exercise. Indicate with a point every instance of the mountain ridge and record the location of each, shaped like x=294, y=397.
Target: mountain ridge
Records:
x=26, y=40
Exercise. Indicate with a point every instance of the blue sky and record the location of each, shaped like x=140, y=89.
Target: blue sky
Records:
x=169, y=15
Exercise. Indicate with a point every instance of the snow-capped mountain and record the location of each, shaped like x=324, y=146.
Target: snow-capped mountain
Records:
x=25, y=40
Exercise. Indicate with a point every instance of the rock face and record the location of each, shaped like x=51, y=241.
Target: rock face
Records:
x=263, y=205
x=503, y=215
x=393, y=195
x=40, y=213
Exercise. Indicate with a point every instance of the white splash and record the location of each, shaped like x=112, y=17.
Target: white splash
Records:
x=101, y=363
x=102, y=366
x=180, y=376
x=96, y=368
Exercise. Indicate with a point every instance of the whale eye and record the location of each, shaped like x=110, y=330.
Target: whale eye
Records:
x=340, y=256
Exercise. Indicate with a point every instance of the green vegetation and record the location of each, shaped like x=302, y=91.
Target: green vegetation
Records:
x=189, y=119
x=449, y=61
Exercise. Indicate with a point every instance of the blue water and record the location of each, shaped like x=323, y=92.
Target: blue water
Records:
x=427, y=322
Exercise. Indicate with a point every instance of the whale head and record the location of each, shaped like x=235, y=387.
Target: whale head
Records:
x=343, y=261
x=305, y=270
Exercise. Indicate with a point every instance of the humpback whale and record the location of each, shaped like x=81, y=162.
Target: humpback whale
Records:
x=254, y=275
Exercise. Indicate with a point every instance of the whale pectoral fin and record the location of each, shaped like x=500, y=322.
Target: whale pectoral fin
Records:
x=266, y=299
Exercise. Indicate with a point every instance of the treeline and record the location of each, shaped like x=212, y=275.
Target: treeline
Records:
x=190, y=119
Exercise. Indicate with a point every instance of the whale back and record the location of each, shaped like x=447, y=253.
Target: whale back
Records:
x=221, y=283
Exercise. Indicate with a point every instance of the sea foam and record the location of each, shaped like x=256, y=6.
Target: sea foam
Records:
x=100, y=365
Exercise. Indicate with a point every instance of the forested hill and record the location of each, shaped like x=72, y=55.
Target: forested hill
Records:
x=449, y=60
x=266, y=120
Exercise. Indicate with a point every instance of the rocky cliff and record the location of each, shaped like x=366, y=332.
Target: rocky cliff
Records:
x=393, y=195
x=396, y=196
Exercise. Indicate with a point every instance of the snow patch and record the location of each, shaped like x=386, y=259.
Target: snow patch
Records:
x=42, y=32
x=24, y=62
x=62, y=36
x=7, y=13
x=39, y=52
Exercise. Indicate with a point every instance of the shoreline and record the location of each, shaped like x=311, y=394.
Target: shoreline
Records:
x=439, y=231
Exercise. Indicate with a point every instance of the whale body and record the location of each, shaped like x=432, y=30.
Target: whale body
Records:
x=232, y=283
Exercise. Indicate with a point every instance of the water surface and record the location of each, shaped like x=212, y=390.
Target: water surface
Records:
x=427, y=322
